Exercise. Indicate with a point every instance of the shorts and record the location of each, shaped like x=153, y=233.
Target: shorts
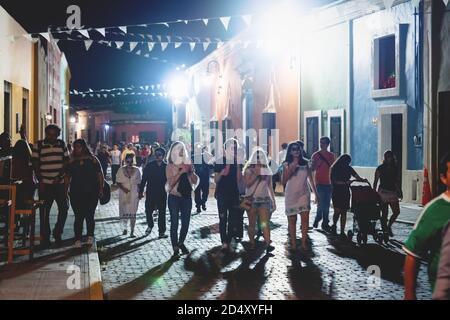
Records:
x=262, y=205
x=388, y=196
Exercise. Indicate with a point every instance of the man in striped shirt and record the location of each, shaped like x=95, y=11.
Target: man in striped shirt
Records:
x=50, y=158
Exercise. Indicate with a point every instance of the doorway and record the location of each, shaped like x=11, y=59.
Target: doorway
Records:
x=313, y=131
x=336, y=131
x=392, y=134
x=7, y=107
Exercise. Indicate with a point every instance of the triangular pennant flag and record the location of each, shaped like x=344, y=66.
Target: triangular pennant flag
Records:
x=150, y=37
x=84, y=33
x=205, y=21
x=92, y=95
x=138, y=52
x=225, y=21
x=164, y=45
x=159, y=38
x=205, y=46
x=56, y=41
x=109, y=43
x=445, y=2
x=146, y=88
x=98, y=95
x=388, y=3
x=153, y=94
x=186, y=21
x=105, y=95
x=146, y=55
x=119, y=44
x=168, y=38
x=192, y=45
x=153, y=86
x=83, y=95
x=102, y=31
x=219, y=44
x=166, y=24
x=133, y=45
x=177, y=44
x=75, y=91
x=247, y=19
x=46, y=36
x=150, y=46
x=88, y=44
x=123, y=29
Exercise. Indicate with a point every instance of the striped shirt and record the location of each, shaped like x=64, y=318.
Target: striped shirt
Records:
x=50, y=160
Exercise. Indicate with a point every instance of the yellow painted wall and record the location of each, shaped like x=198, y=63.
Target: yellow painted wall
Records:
x=16, y=67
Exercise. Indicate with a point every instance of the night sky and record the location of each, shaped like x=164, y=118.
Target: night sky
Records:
x=104, y=67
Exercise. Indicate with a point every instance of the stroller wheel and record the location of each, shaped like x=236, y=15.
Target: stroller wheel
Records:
x=380, y=237
x=359, y=238
x=350, y=235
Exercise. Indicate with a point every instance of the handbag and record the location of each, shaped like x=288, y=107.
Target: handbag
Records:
x=246, y=201
x=106, y=197
x=184, y=186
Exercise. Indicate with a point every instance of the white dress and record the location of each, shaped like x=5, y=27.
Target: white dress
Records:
x=297, y=194
x=129, y=202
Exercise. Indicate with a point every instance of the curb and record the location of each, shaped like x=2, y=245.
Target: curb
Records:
x=405, y=222
x=95, y=275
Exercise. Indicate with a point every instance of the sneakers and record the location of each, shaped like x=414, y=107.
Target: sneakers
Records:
x=199, y=210
x=333, y=229
x=124, y=233
x=316, y=224
x=148, y=231
x=391, y=234
x=184, y=249
x=269, y=248
x=132, y=234
x=176, y=253
x=325, y=227
x=163, y=236
x=204, y=207
x=90, y=241
x=77, y=244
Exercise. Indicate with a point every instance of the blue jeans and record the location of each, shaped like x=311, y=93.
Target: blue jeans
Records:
x=179, y=206
x=323, y=209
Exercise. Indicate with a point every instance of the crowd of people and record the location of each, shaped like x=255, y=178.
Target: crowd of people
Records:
x=168, y=176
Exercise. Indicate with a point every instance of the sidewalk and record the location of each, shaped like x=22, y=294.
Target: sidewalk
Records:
x=62, y=273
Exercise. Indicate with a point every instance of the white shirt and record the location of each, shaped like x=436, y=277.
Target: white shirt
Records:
x=115, y=157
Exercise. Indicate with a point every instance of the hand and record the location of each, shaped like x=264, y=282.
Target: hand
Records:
x=317, y=199
x=125, y=190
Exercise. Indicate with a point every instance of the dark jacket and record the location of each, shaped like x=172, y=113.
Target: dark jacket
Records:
x=154, y=177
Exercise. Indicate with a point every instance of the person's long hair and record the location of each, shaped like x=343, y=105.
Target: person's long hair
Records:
x=257, y=154
x=342, y=162
x=85, y=150
x=185, y=159
x=289, y=158
x=21, y=150
x=394, y=158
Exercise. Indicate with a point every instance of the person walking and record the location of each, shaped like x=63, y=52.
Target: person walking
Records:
x=425, y=240
x=115, y=162
x=105, y=159
x=228, y=174
x=85, y=181
x=389, y=190
x=154, y=177
x=202, y=164
x=258, y=180
x=321, y=163
x=295, y=176
x=50, y=158
x=442, y=287
x=145, y=154
x=181, y=181
x=128, y=150
x=128, y=180
x=341, y=173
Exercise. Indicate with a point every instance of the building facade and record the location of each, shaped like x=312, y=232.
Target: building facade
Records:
x=16, y=78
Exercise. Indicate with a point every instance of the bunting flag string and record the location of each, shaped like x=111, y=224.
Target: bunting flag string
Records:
x=225, y=20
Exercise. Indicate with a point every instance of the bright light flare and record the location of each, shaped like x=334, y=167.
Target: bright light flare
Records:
x=178, y=87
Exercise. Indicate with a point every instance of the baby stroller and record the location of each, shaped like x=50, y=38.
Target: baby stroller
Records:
x=365, y=206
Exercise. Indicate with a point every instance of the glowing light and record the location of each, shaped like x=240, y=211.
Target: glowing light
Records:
x=73, y=120
x=178, y=87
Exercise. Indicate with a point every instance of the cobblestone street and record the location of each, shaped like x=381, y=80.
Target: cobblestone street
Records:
x=141, y=268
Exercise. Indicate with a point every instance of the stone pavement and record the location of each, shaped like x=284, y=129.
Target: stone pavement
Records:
x=63, y=273
x=141, y=268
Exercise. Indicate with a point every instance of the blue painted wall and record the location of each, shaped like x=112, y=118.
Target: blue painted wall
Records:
x=364, y=134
